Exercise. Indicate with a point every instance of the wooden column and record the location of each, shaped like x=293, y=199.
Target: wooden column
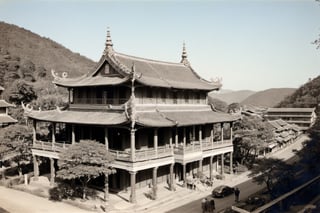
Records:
x=184, y=137
x=211, y=167
x=231, y=162
x=133, y=198
x=231, y=132
x=106, y=188
x=52, y=171
x=184, y=175
x=73, y=135
x=132, y=145
x=170, y=138
x=217, y=163
x=34, y=131
x=222, y=132
x=200, y=136
x=200, y=166
x=211, y=133
x=106, y=139
x=35, y=167
x=155, y=141
x=53, y=135
x=222, y=164
x=172, y=183
x=193, y=132
x=154, y=182
x=176, y=137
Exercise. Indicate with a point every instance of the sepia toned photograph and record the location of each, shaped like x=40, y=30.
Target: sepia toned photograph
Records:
x=159, y=106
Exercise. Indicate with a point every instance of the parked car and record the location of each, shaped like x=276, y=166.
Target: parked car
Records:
x=222, y=191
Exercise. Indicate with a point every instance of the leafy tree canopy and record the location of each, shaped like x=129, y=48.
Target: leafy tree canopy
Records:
x=84, y=161
x=251, y=135
x=273, y=172
x=20, y=91
x=16, y=140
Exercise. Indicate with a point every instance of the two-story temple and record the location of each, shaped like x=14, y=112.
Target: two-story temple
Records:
x=153, y=116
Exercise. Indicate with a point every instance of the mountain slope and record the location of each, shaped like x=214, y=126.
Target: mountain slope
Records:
x=24, y=45
x=308, y=95
x=231, y=96
x=269, y=97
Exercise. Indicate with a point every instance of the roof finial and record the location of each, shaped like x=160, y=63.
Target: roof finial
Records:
x=108, y=42
x=184, y=56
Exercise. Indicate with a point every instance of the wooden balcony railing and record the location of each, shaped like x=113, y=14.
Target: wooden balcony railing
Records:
x=206, y=145
x=140, y=155
x=49, y=146
x=189, y=148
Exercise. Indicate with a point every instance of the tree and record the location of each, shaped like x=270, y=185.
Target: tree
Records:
x=84, y=161
x=20, y=91
x=16, y=140
x=273, y=172
x=251, y=135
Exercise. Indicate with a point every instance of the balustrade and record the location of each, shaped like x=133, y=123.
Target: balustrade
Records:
x=46, y=145
x=144, y=154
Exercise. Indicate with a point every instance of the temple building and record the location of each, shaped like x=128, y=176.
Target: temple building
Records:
x=302, y=117
x=5, y=118
x=152, y=116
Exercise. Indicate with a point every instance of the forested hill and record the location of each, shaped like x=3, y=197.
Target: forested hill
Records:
x=23, y=49
x=308, y=95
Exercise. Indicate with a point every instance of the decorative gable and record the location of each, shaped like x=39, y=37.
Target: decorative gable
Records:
x=107, y=70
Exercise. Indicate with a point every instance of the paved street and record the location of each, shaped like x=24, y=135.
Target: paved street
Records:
x=20, y=202
x=247, y=188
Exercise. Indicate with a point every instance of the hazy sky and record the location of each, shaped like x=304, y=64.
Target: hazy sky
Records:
x=250, y=44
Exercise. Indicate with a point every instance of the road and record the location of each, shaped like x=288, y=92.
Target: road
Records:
x=17, y=201
x=246, y=188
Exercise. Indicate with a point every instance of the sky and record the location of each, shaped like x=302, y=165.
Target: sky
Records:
x=249, y=44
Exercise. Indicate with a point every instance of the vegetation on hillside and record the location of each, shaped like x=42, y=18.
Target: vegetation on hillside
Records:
x=21, y=48
x=308, y=95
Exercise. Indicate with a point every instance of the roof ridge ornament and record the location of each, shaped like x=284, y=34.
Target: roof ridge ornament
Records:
x=184, y=56
x=109, y=45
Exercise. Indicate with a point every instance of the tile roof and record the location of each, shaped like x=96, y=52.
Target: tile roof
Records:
x=7, y=119
x=149, y=72
x=165, y=74
x=90, y=81
x=183, y=118
x=291, y=110
x=3, y=103
x=79, y=117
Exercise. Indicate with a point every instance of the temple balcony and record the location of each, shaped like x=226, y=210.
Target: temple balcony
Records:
x=142, y=155
x=217, y=147
x=207, y=145
x=188, y=153
x=49, y=146
x=49, y=149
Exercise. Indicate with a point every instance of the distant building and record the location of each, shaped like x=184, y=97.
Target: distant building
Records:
x=152, y=116
x=5, y=118
x=284, y=133
x=302, y=117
